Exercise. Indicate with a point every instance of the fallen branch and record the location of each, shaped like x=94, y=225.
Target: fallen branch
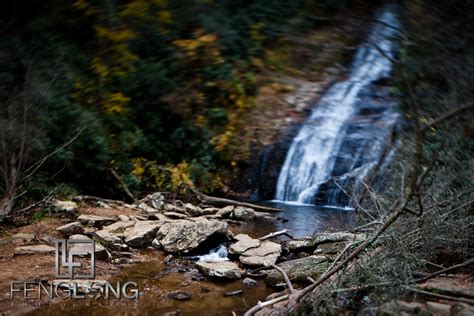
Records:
x=122, y=183
x=261, y=305
x=442, y=296
x=457, y=266
x=271, y=235
x=447, y=116
x=222, y=201
x=80, y=198
x=285, y=276
x=46, y=199
x=390, y=220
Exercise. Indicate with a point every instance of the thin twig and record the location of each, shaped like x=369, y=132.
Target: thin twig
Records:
x=285, y=276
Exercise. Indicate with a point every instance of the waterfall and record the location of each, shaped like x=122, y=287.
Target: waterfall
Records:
x=322, y=141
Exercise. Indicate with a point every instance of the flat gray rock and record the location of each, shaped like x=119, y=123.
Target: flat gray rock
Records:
x=222, y=269
x=34, y=249
x=265, y=254
x=142, y=234
x=22, y=238
x=71, y=229
x=100, y=251
x=244, y=243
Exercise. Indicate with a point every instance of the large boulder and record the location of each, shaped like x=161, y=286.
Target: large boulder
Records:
x=71, y=229
x=299, y=270
x=35, y=249
x=142, y=234
x=95, y=221
x=243, y=213
x=183, y=236
x=222, y=269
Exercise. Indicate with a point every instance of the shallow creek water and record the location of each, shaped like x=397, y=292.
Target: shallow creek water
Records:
x=156, y=279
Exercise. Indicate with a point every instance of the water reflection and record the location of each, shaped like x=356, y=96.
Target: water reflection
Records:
x=304, y=219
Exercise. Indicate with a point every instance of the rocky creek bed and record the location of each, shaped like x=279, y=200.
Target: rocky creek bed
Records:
x=187, y=259
x=156, y=243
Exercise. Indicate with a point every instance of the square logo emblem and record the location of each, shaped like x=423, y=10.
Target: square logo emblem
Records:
x=67, y=251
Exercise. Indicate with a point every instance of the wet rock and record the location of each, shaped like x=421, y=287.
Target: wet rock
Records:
x=223, y=269
x=71, y=229
x=168, y=259
x=243, y=213
x=244, y=243
x=299, y=270
x=100, y=252
x=22, y=238
x=142, y=234
x=180, y=296
x=182, y=268
x=65, y=206
x=35, y=249
x=197, y=277
x=249, y=282
x=95, y=221
x=265, y=254
x=184, y=236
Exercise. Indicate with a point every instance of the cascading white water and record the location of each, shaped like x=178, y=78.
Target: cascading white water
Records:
x=312, y=155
